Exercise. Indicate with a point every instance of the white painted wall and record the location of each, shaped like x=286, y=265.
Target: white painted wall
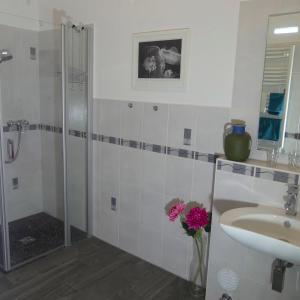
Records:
x=25, y=8
x=20, y=13
x=213, y=27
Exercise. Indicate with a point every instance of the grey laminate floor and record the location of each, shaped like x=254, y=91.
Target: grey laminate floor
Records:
x=91, y=270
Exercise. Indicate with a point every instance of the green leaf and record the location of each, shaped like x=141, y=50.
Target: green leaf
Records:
x=189, y=232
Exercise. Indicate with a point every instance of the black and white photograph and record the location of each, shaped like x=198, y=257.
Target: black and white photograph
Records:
x=160, y=59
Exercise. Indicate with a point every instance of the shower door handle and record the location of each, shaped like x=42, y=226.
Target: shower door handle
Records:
x=10, y=149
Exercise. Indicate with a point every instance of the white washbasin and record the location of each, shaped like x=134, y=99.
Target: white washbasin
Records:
x=266, y=229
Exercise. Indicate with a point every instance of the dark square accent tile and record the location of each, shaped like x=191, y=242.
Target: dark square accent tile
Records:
x=258, y=172
x=239, y=169
x=281, y=177
x=33, y=127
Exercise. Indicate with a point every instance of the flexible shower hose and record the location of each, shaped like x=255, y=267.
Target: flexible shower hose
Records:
x=18, y=148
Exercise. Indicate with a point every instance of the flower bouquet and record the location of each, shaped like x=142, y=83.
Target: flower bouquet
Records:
x=195, y=220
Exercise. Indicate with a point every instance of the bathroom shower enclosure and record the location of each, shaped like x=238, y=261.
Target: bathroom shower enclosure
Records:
x=45, y=137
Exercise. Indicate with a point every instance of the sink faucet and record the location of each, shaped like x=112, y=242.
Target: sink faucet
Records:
x=291, y=200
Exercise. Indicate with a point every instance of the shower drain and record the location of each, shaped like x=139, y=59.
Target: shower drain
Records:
x=27, y=240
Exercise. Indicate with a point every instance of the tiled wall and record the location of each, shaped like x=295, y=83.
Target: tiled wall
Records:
x=140, y=159
x=254, y=184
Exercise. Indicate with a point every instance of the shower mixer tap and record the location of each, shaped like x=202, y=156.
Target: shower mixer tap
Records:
x=19, y=126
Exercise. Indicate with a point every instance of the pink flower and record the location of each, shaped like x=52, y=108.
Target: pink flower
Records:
x=176, y=211
x=197, y=218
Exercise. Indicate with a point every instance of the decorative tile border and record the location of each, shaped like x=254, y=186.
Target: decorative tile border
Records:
x=162, y=149
x=131, y=144
x=291, y=135
x=28, y=127
x=181, y=152
x=234, y=167
x=258, y=172
x=155, y=148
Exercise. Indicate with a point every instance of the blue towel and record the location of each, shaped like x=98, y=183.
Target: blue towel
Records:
x=276, y=103
x=269, y=129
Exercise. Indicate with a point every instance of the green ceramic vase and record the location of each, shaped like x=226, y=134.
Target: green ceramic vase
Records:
x=237, y=142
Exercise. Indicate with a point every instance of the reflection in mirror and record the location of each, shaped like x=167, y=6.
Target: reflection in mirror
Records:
x=280, y=102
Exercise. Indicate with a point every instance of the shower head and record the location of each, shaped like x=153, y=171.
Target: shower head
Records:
x=5, y=55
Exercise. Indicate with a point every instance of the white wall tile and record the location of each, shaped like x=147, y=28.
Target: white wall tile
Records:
x=131, y=120
x=109, y=167
x=128, y=239
x=268, y=192
x=109, y=118
x=203, y=173
x=174, y=255
x=152, y=210
x=155, y=123
x=154, y=172
x=210, y=128
x=179, y=178
x=150, y=244
x=233, y=187
x=130, y=199
x=107, y=228
x=181, y=117
x=131, y=166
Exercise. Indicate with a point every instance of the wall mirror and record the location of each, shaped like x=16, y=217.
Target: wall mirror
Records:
x=279, y=116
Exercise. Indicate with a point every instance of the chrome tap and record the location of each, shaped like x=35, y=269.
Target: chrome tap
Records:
x=291, y=200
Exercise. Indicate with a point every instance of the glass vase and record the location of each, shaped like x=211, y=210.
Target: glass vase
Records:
x=198, y=268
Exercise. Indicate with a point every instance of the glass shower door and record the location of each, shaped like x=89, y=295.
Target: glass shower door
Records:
x=76, y=121
x=31, y=127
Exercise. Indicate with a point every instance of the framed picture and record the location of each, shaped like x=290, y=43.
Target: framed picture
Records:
x=160, y=60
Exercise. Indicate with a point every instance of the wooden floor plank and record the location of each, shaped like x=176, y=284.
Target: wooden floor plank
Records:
x=92, y=269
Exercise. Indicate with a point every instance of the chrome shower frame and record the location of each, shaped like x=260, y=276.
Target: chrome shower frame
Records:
x=4, y=224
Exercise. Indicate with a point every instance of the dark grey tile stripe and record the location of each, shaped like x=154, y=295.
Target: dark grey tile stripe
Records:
x=239, y=169
x=110, y=139
x=280, y=177
x=131, y=144
x=212, y=158
x=77, y=133
x=154, y=148
x=181, y=152
x=291, y=135
x=258, y=172
x=29, y=127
